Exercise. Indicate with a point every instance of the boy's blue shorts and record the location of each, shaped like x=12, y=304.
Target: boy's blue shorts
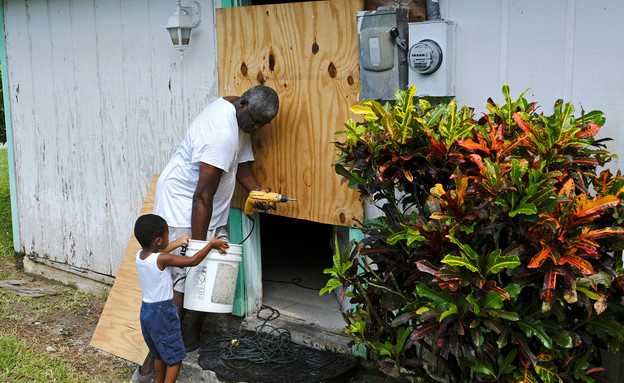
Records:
x=160, y=325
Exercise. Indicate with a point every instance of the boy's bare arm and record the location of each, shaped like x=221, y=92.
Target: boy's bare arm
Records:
x=167, y=259
x=183, y=240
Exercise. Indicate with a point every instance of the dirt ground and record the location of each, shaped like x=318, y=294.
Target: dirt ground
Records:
x=60, y=324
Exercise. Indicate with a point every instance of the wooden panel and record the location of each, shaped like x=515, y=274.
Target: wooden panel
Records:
x=119, y=329
x=307, y=52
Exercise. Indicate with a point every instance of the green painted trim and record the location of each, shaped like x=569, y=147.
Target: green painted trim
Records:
x=248, y=295
x=9, y=132
x=234, y=3
x=236, y=236
x=253, y=264
x=357, y=349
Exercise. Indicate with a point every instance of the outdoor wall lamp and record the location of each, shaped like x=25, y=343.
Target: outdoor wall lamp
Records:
x=181, y=23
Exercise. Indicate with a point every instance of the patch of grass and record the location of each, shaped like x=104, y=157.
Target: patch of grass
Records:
x=19, y=363
x=6, y=228
x=70, y=300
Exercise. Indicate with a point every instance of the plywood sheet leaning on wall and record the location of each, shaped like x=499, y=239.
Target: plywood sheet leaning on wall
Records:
x=307, y=52
x=119, y=329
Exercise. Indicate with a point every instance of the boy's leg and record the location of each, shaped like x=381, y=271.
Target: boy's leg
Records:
x=161, y=370
x=178, y=297
x=172, y=372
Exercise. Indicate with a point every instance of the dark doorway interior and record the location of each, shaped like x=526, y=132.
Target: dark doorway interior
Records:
x=294, y=254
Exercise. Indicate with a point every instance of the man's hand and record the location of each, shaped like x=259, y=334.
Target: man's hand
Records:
x=265, y=206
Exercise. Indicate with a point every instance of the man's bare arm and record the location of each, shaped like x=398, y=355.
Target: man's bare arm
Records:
x=209, y=177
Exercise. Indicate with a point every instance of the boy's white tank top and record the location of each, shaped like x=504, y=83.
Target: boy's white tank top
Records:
x=156, y=284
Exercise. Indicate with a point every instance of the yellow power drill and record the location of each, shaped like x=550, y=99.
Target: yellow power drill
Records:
x=268, y=197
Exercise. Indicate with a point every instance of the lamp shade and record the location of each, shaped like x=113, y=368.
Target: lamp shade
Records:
x=180, y=26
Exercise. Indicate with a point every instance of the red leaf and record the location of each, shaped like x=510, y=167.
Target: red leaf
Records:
x=448, y=346
x=550, y=282
x=584, y=266
x=451, y=285
x=493, y=326
x=420, y=333
x=595, y=369
x=606, y=232
x=386, y=367
x=526, y=351
x=606, y=202
x=540, y=257
x=438, y=148
x=403, y=318
x=589, y=130
x=470, y=144
x=492, y=286
x=567, y=189
x=447, y=274
x=518, y=119
x=426, y=267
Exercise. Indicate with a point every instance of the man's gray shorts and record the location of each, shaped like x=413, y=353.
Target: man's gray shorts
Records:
x=178, y=274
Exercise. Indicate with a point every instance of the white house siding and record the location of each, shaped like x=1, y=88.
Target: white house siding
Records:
x=97, y=108
x=100, y=100
x=560, y=49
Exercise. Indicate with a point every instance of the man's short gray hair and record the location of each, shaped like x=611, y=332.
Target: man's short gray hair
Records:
x=262, y=99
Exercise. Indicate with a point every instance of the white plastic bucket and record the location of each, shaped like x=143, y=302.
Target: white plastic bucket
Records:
x=211, y=285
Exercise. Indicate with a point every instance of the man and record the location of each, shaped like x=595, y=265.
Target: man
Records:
x=194, y=191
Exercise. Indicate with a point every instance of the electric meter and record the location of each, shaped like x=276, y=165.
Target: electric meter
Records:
x=425, y=57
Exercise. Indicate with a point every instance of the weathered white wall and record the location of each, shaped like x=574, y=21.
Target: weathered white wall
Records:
x=564, y=49
x=99, y=102
x=100, y=99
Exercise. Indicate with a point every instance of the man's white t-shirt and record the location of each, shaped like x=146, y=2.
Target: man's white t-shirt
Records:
x=215, y=139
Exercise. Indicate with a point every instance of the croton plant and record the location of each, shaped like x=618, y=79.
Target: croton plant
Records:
x=496, y=256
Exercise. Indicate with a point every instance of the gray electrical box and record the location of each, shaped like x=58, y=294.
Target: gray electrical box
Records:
x=383, y=52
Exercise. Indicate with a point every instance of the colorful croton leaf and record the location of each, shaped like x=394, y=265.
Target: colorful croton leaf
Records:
x=496, y=254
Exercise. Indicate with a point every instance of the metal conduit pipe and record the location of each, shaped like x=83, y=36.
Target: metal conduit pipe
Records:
x=433, y=10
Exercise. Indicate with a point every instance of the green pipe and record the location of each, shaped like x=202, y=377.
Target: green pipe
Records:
x=9, y=134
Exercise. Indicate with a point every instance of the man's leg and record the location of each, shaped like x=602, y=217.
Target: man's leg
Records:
x=194, y=325
x=148, y=365
x=191, y=335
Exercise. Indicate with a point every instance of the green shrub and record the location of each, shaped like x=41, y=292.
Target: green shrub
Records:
x=497, y=256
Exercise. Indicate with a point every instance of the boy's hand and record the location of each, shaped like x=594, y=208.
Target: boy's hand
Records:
x=220, y=245
x=185, y=239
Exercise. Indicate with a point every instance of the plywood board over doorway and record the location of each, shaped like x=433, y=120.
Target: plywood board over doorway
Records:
x=307, y=52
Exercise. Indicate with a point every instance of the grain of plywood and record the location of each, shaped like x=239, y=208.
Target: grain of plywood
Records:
x=307, y=52
x=119, y=329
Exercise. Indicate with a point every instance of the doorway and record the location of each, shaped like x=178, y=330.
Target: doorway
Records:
x=294, y=254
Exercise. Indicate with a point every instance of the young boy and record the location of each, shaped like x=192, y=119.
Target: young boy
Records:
x=160, y=323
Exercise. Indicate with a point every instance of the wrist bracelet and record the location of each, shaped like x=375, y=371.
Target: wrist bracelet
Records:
x=259, y=188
